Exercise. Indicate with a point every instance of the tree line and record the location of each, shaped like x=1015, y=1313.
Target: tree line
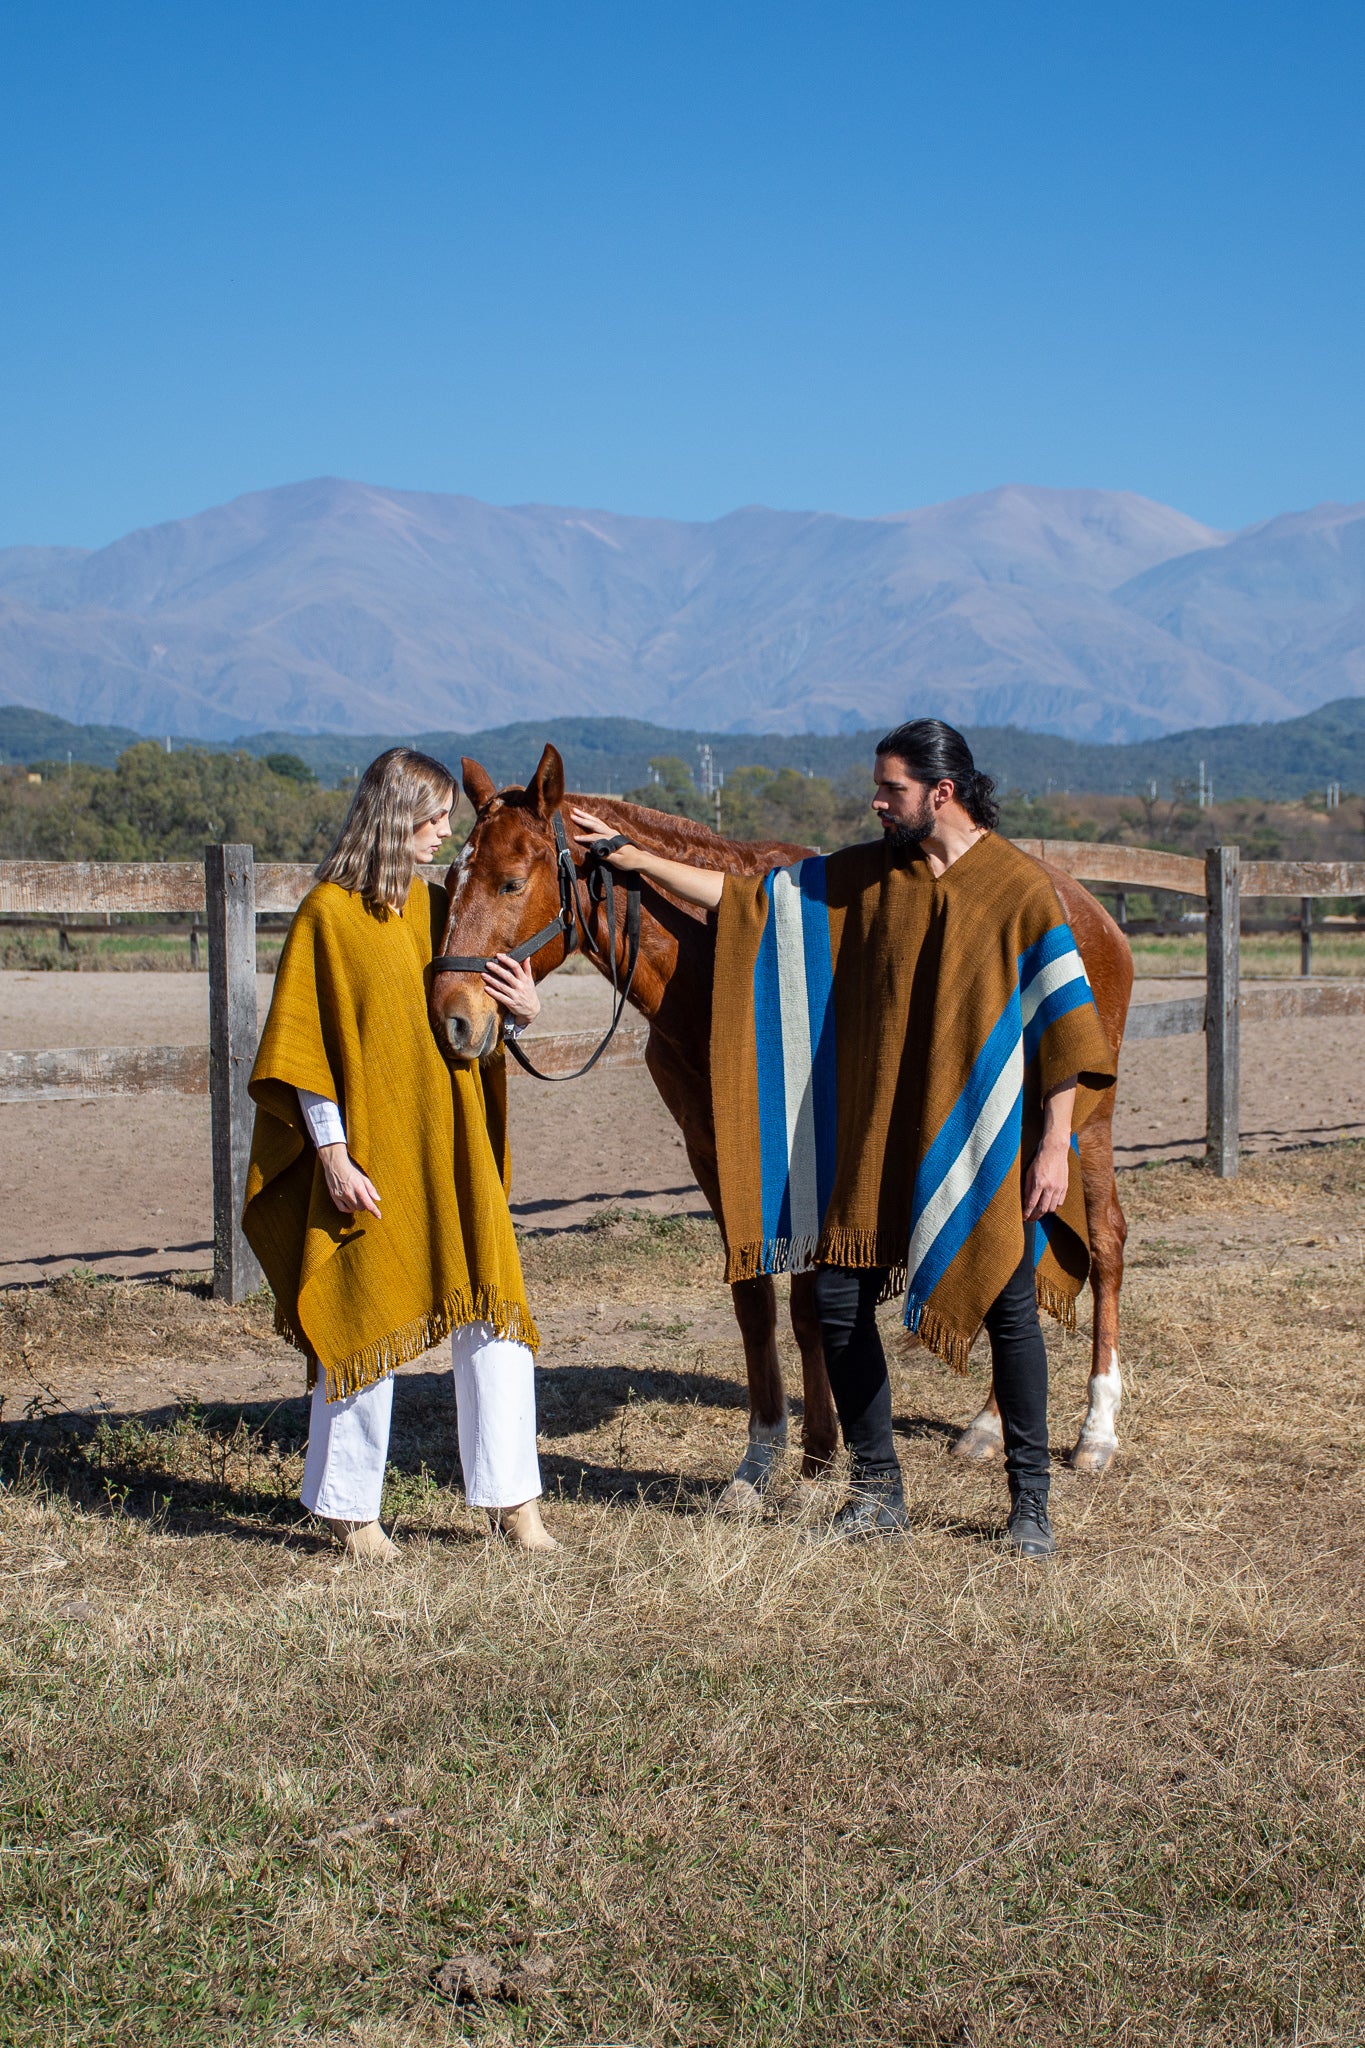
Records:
x=156, y=806
x=152, y=805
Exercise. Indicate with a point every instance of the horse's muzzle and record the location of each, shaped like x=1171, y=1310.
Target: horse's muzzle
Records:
x=464, y=1040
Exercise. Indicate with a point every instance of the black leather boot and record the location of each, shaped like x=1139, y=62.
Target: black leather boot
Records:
x=875, y=1508
x=1028, y=1529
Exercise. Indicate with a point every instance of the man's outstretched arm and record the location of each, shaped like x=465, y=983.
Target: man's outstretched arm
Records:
x=701, y=886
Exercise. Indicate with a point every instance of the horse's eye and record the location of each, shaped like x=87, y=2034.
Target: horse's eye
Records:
x=513, y=886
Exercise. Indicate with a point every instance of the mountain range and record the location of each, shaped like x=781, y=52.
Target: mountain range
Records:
x=343, y=607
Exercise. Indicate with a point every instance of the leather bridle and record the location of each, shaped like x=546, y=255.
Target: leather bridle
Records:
x=600, y=881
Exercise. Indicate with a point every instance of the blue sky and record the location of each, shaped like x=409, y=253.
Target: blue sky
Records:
x=672, y=260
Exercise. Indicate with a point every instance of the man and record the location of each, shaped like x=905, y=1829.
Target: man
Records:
x=903, y=1042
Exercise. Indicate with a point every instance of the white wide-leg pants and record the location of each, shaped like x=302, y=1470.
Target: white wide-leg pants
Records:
x=495, y=1414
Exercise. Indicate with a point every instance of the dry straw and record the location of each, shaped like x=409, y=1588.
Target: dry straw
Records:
x=736, y=1787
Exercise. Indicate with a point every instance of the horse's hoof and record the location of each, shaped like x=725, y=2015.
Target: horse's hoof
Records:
x=978, y=1446
x=1093, y=1458
x=807, y=1499
x=740, y=1502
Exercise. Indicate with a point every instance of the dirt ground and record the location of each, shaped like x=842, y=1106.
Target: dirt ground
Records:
x=122, y=1185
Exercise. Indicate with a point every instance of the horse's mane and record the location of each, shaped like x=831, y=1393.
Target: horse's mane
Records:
x=684, y=839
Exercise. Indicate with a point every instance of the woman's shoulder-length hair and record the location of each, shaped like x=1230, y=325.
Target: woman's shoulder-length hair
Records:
x=372, y=853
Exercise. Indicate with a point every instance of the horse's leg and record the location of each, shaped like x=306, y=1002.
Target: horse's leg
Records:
x=1098, y=1439
x=820, y=1424
x=755, y=1300
x=756, y=1313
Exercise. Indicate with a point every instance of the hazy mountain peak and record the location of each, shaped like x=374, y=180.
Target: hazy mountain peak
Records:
x=334, y=604
x=1091, y=537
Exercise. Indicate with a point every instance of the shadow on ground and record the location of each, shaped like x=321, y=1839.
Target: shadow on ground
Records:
x=229, y=1468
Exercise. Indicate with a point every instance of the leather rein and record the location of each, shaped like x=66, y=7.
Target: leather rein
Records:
x=568, y=922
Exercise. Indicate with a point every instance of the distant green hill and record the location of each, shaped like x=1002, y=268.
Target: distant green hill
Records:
x=36, y=736
x=1269, y=761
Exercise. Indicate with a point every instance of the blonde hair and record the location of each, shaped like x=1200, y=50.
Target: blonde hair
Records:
x=399, y=791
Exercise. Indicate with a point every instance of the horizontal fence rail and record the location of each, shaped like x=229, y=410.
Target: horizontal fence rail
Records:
x=57, y=887
x=1260, y=1003
x=239, y=890
x=72, y=1074
x=28, y=887
x=1125, y=867
x=77, y=1072
x=561, y=1052
x=1303, y=878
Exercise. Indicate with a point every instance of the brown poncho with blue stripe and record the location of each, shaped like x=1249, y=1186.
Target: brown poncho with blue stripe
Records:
x=882, y=1039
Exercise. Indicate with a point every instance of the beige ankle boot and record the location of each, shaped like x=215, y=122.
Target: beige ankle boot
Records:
x=522, y=1527
x=365, y=1541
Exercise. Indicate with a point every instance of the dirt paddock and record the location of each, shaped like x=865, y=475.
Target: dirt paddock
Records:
x=121, y=1185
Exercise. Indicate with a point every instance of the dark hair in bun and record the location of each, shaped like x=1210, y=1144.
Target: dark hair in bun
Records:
x=935, y=752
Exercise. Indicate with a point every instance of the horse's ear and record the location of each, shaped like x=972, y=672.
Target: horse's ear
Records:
x=545, y=790
x=479, y=786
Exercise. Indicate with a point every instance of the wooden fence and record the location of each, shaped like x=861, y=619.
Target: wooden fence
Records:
x=230, y=889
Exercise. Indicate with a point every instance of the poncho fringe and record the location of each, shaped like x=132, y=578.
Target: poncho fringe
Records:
x=859, y=1249
x=400, y=1347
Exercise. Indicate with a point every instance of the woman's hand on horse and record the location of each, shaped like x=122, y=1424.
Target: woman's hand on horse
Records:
x=511, y=983
x=350, y=1189
x=626, y=859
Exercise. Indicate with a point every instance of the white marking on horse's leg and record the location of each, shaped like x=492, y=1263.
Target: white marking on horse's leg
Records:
x=983, y=1437
x=1099, y=1438
x=757, y=1468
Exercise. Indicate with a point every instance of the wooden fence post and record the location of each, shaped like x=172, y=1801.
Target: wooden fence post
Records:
x=1222, y=1014
x=230, y=904
x=1305, y=935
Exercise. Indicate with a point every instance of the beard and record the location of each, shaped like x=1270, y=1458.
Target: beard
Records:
x=907, y=833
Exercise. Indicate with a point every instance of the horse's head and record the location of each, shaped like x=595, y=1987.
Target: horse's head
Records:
x=503, y=888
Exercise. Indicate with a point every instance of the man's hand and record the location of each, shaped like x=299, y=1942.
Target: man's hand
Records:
x=1045, y=1183
x=511, y=983
x=626, y=859
x=350, y=1189
x=701, y=886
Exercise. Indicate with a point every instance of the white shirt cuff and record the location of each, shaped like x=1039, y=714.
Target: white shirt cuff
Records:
x=322, y=1117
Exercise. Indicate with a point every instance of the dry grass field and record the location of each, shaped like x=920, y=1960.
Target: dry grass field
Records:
x=692, y=1781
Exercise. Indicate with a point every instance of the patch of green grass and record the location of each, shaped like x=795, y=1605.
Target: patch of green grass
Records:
x=1272, y=954
x=136, y=950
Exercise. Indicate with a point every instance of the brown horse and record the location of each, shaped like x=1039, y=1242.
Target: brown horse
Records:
x=504, y=888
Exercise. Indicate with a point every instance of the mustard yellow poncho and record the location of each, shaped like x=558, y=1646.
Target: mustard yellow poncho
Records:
x=348, y=1019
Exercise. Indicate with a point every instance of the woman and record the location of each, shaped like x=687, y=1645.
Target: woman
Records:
x=377, y=1190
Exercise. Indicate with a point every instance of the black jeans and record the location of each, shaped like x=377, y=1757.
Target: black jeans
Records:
x=846, y=1301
